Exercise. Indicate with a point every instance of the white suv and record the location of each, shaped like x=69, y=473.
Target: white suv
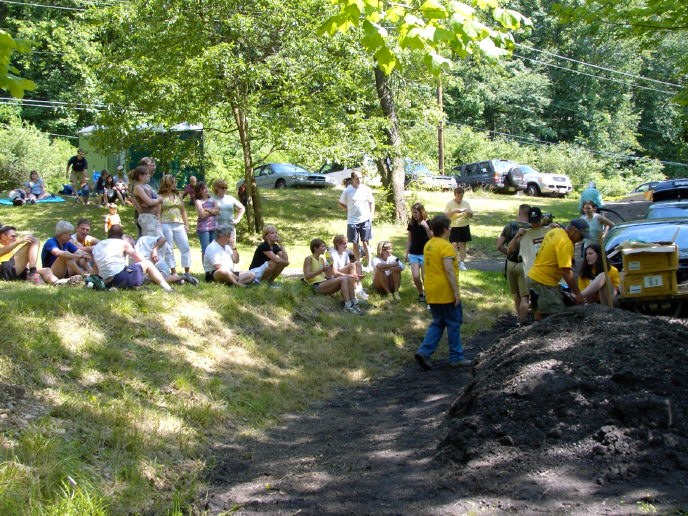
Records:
x=539, y=183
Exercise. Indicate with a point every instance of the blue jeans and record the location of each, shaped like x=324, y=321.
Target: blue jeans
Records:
x=451, y=317
x=205, y=237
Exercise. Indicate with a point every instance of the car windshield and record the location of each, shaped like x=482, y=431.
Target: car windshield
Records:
x=657, y=211
x=287, y=168
x=666, y=232
x=528, y=170
x=418, y=169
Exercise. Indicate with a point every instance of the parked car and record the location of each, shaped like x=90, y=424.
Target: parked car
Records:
x=667, y=210
x=336, y=173
x=656, y=230
x=499, y=175
x=283, y=175
x=419, y=174
x=642, y=192
x=541, y=183
x=673, y=189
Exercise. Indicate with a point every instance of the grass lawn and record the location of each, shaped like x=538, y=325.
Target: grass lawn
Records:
x=110, y=401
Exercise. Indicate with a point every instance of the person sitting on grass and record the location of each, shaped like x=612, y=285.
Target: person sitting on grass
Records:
x=64, y=258
x=343, y=266
x=320, y=276
x=111, y=193
x=35, y=188
x=269, y=258
x=18, y=258
x=111, y=256
x=112, y=218
x=153, y=249
x=387, y=269
x=592, y=281
x=220, y=257
x=84, y=241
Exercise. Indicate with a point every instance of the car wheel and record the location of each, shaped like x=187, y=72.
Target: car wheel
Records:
x=533, y=190
x=281, y=183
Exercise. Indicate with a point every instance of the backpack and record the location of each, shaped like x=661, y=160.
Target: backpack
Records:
x=95, y=282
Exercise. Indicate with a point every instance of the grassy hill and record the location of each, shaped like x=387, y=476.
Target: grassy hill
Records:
x=110, y=402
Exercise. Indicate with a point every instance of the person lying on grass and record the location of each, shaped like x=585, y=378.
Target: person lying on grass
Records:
x=111, y=257
x=220, y=257
x=318, y=273
x=153, y=249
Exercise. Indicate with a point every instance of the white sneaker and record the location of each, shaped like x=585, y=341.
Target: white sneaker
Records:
x=362, y=295
x=462, y=266
x=396, y=296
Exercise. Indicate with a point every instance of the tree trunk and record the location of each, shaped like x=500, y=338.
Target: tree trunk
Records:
x=440, y=128
x=395, y=175
x=254, y=208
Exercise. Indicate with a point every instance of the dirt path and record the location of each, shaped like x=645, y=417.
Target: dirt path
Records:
x=365, y=450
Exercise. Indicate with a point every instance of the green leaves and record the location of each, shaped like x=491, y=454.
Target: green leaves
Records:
x=435, y=30
x=9, y=80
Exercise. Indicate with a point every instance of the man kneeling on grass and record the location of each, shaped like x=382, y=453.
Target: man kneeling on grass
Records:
x=220, y=257
x=111, y=256
x=18, y=258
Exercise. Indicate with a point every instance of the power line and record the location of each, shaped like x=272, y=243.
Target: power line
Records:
x=47, y=6
x=610, y=79
x=599, y=67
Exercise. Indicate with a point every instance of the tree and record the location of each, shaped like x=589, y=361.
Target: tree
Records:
x=9, y=78
x=252, y=70
x=429, y=30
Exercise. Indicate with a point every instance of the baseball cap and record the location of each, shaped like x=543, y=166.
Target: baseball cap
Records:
x=534, y=214
x=581, y=226
x=63, y=227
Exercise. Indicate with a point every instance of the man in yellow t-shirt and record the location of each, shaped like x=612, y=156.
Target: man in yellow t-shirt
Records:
x=553, y=263
x=18, y=258
x=460, y=213
x=442, y=295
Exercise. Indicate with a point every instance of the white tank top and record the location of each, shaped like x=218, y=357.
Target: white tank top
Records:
x=109, y=256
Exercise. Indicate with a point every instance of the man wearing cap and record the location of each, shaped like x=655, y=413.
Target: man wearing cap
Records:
x=553, y=263
x=527, y=241
x=111, y=256
x=60, y=254
x=515, y=276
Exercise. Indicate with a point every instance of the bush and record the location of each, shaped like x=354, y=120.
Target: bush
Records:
x=24, y=148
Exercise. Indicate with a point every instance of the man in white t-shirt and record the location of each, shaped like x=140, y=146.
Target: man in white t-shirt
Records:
x=111, y=256
x=154, y=249
x=220, y=257
x=357, y=199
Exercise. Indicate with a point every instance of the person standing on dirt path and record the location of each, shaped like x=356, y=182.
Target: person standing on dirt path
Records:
x=443, y=296
x=553, y=263
x=460, y=213
x=358, y=201
x=527, y=241
x=515, y=277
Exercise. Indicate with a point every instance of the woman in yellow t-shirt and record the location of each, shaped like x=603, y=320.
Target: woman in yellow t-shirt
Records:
x=591, y=280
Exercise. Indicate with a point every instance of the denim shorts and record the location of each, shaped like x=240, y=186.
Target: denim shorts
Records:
x=416, y=258
x=359, y=232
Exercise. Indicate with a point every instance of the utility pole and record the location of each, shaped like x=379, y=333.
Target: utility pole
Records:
x=440, y=128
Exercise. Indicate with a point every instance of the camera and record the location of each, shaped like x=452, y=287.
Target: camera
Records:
x=547, y=218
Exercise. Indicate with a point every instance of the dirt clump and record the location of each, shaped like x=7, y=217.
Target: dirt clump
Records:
x=584, y=406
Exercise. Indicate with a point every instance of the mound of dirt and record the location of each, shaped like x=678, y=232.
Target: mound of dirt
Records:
x=588, y=404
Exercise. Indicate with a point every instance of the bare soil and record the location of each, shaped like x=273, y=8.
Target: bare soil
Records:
x=583, y=413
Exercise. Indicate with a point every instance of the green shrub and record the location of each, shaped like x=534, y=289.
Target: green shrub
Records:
x=24, y=148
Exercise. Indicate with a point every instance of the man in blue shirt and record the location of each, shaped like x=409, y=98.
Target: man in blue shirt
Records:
x=64, y=258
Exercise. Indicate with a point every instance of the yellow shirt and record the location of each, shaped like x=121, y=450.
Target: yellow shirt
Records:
x=458, y=220
x=8, y=256
x=556, y=253
x=438, y=290
x=317, y=264
x=613, y=276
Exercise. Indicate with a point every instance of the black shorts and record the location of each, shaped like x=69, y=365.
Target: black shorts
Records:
x=462, y=234
x=8, y=271
x=210, y=276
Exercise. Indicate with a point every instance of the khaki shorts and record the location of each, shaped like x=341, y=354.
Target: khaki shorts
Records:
x=76, y=178
x=516, y=278
x=549, y=299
